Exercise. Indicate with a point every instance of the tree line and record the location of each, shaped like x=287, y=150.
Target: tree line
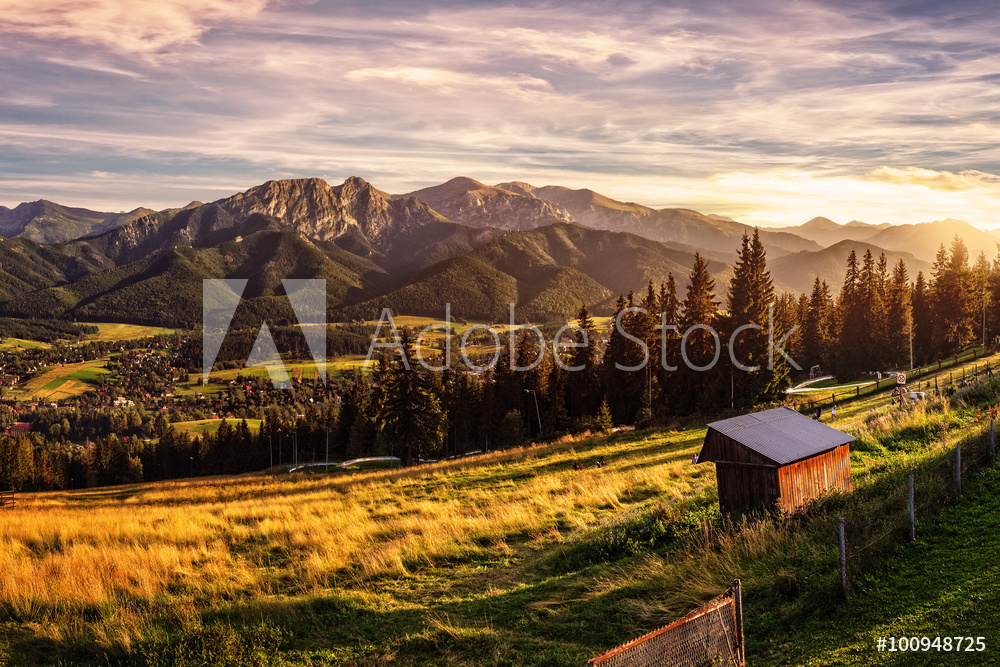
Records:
x=880, y=318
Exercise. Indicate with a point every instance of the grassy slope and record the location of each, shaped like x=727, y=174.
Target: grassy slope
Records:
x=481, y=561
x=946, y=584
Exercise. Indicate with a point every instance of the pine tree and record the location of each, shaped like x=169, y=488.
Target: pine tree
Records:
x=923, y=321
x=669, y=349
x=853, y=333
x=603, y=421
x=410, y=416
x=951, y=300
x=899, y=316
x=583, y=387
x=981, y=290
x=993, y=299
x=701, y=389
x=751, y=295
x=816, y=326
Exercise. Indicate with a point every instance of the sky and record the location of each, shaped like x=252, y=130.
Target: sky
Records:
x=769, y=111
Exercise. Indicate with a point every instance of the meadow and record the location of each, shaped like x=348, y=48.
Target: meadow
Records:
x=506, y=558
x=64, y=381
x=203, y=426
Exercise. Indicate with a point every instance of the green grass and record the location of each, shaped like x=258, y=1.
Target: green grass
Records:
x=203, y=426
x=18, y=343
x=947, y=583
x=89, y=374
x=55, y=384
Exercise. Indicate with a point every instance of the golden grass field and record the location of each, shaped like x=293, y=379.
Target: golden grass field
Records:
x=20, y=343
x=203, y=426
x=115, y=331
x=130, y=554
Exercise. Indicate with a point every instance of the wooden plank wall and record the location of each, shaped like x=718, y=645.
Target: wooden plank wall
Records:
x=746, y=485
x=804, y=480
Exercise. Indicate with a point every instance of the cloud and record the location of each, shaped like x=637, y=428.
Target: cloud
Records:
x=702, y=105
x=969, y=179
x=451, y=82
x=130, y=26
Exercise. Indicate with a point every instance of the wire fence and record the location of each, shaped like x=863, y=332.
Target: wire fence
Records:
x=961, y=373
x=710, y=635
x=872, y=534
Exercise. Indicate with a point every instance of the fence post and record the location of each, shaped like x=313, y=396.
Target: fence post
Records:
x=843, y=561
x=738, y=601
x=992, y=452
x=958, y=468
x=913, y=526
x=857, y=390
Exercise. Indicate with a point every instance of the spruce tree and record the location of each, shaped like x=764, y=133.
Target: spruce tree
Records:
x=898, y=318
x=583, y=387
x=410, y=416
x=923, y=321
x=751, y=295
x=853, y=333
x=701, y=389
x=952, y=299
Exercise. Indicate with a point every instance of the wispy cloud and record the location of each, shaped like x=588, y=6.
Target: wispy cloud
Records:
x=774, y=111
x=127, y=26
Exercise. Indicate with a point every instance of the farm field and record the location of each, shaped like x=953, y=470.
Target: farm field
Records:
x=64, y=381
x=19, y=343
x=115, y=331
x=203, y=426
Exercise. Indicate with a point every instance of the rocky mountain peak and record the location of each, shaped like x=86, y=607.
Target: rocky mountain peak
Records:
x=472, y=203
x=321, y=211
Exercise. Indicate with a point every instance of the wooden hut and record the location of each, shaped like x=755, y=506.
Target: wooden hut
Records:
x=774, y=458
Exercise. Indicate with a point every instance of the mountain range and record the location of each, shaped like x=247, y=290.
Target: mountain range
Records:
x=546, y=249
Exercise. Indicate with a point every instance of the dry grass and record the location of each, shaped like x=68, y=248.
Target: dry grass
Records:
x=122, y=556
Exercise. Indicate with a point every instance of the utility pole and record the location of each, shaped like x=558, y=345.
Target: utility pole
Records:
x=911, y=338
x=537, y=411
x=984, y=320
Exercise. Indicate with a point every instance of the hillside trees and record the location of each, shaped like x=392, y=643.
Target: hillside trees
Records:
x=410, y=415
x=751, y=302
x=951, y=298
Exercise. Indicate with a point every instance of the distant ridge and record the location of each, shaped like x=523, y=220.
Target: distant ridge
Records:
x=43, y=221
x=924, y=239
x=800, y=269
x=826, y=232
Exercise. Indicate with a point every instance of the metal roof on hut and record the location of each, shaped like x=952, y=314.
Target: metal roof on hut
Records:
x=781, y=434
x=776, y=457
